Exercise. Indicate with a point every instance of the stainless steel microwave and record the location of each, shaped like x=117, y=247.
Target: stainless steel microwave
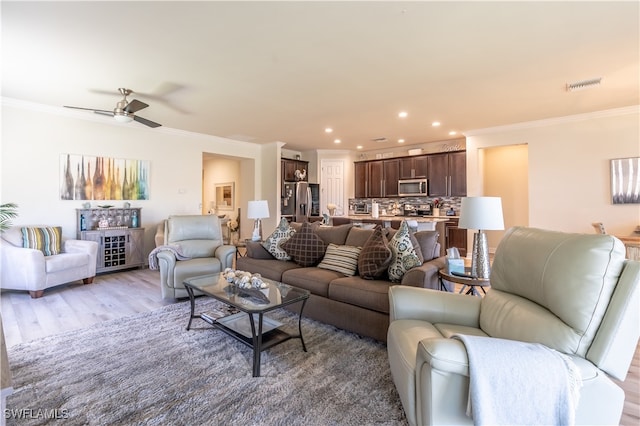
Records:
x=412, y=187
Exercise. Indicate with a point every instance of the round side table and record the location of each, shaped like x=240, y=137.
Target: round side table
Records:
x=241, y=244
x=466, y=281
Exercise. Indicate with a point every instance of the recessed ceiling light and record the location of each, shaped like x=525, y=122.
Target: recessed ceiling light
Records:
x=359, y=147
x=337, y=141
x=452, y=133
x=403, y=114
x=400, y=140
x=328, y=130
x=435, y=123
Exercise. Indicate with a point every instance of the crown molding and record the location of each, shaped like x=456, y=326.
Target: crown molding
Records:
x=634, y=109
x=96, y=118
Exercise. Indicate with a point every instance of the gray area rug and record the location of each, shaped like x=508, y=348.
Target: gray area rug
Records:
x=148, y=370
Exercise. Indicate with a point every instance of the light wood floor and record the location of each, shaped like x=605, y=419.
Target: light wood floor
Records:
x=121, y=294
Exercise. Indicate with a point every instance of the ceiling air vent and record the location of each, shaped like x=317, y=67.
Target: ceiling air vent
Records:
x=584, y=84
x=382, y=139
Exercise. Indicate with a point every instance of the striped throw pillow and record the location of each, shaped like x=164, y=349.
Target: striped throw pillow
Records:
x=343, y=259
x=47, y=239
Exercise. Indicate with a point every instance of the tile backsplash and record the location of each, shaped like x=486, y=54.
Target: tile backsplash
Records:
x=387, y=204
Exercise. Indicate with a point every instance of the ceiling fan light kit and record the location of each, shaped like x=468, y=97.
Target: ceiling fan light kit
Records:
x=125, y=110
x=123, y=118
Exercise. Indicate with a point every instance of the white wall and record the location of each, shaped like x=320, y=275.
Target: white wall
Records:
x=34, y=136
x=569, y=175
x=268, y=185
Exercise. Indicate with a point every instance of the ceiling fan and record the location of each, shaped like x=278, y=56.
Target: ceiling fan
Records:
x=125, y=110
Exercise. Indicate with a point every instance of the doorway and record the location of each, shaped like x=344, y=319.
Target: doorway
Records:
x=506, y=175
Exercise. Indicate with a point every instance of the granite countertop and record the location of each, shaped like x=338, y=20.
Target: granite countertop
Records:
x=416, y=218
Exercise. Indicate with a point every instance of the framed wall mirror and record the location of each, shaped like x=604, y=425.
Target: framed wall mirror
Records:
x=224, y=196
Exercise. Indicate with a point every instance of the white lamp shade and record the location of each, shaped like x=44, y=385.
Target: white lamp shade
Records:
x=258, y=209
x=483, y=213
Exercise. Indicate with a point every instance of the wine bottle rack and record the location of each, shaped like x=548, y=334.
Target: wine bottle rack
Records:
x=120, y=244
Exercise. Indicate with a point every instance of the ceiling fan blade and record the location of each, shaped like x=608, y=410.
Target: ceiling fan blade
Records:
x=163, y=93
x=146, y=122
x=135, y=105
x=89, y=109
x=103, y=112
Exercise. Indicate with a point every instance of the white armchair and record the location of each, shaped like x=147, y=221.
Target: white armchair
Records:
x=29, y=269
x=574, y=293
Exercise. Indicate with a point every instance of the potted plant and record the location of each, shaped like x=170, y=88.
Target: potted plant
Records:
x=8, y=211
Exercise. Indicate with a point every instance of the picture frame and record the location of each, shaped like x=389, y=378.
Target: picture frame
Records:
x=625, y=180
x=225, y=194
x=93, y=178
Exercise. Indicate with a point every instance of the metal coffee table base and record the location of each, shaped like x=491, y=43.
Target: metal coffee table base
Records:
x=259, y=341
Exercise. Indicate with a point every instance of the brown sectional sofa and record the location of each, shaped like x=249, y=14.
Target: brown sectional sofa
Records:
x=348, y=302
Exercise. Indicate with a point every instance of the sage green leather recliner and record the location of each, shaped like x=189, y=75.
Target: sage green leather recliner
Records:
x=575, y=293
x=199, y=239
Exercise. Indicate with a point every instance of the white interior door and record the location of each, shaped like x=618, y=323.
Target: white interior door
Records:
x=332, y=185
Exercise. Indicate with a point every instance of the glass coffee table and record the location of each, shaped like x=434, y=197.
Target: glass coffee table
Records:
x=249, y=324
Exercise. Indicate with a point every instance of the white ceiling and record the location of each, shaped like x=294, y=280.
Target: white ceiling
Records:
x=283, y=71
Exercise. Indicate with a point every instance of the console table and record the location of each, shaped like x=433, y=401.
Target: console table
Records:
x=120, y=243
x=632, y=244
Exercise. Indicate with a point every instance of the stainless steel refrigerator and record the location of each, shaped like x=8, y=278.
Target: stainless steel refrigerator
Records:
x=300, y=200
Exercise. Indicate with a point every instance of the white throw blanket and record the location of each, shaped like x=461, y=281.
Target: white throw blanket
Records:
x=518, y=383
x=174, y=248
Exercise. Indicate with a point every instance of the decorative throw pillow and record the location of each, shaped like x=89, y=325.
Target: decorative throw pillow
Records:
x=404, y=254
x=428, y=242
x=274, y=242
x=47, y=239
x=334, y=234
x=305, y=247
x=416, y=246
x=343, y=259
x=390, y=232
x=375, y=256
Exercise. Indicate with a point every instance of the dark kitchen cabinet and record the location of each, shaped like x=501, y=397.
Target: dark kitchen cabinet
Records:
x=360, y=177
x=376, y=179
x=391, y=176
x=289, y=168
x=413, y=167
x=455, y=237
x=447, y=174
x=458, y=174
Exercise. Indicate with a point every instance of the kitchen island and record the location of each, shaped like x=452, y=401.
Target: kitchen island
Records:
x=437, y=223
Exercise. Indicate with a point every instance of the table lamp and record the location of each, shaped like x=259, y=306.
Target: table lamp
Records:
x=257, y=210
x=483, y=214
